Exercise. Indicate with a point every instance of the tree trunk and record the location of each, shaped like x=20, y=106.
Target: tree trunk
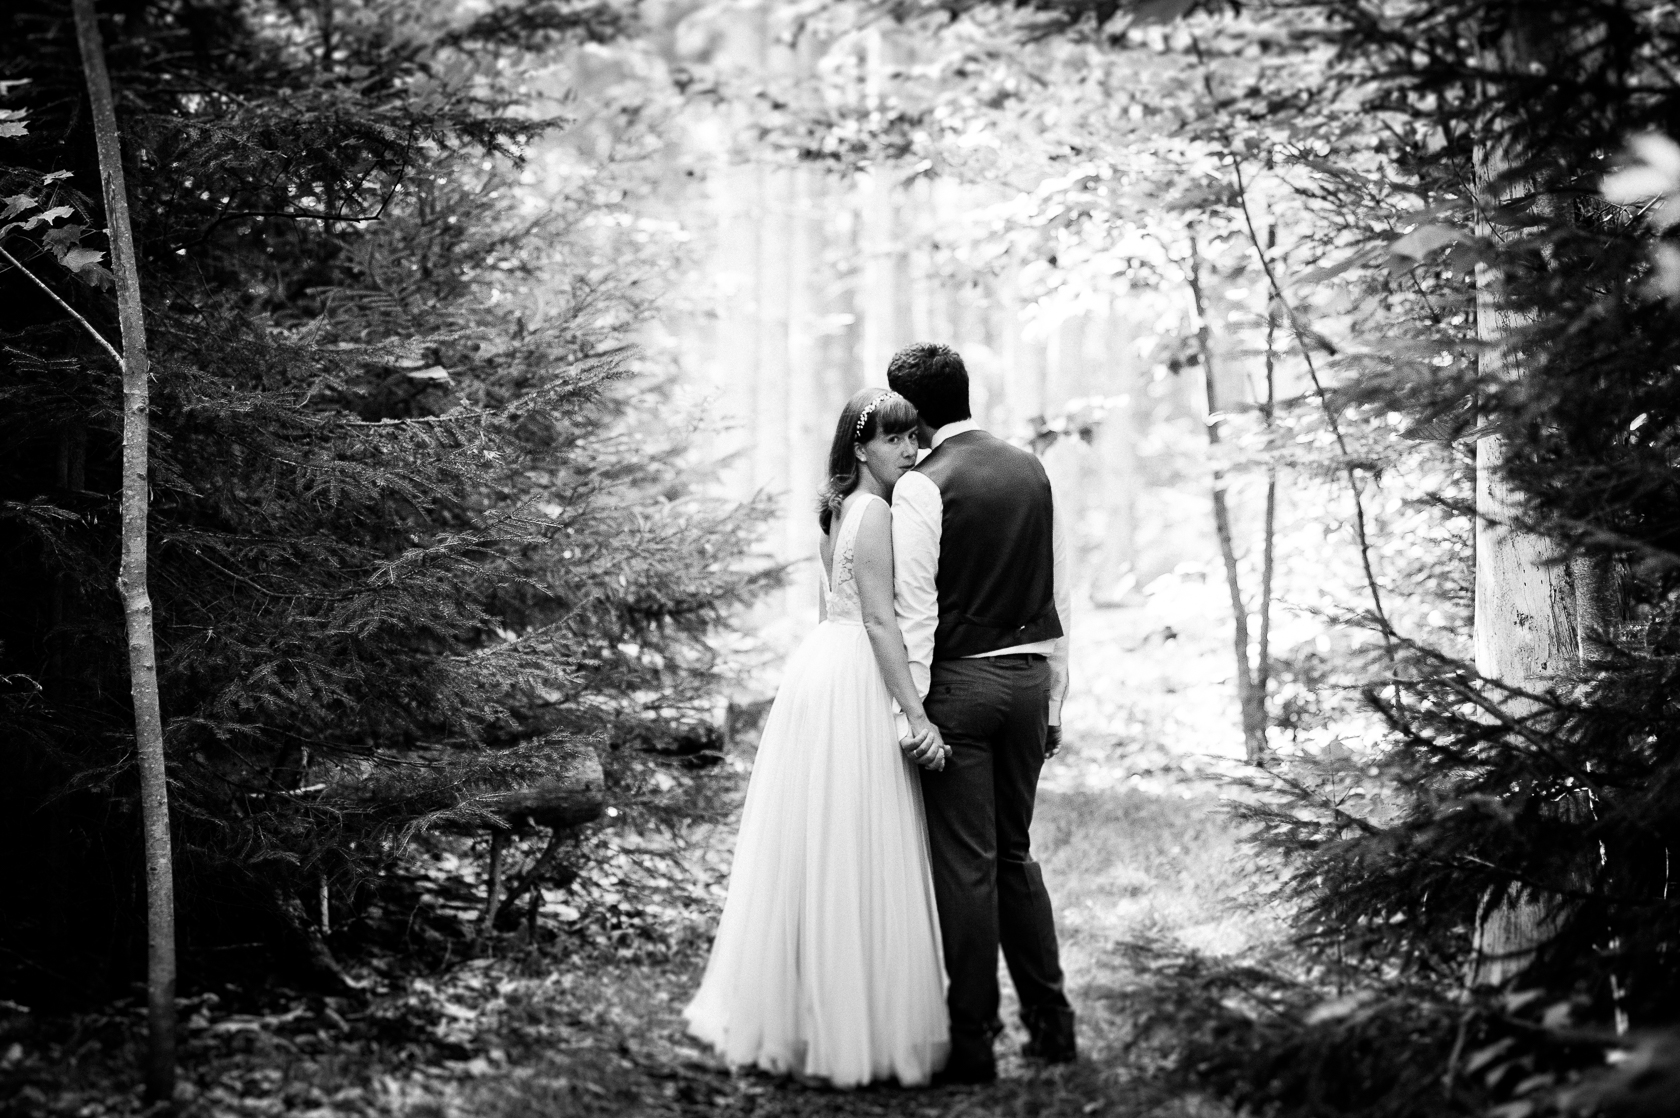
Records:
x=1249, y=699
x=1525, y=636
x=1525, y=629
x=131, y=581
x=493, y=899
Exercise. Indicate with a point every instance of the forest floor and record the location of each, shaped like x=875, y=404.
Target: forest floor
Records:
x=1134, y=847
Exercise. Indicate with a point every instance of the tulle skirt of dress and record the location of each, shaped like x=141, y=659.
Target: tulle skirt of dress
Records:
x=827, y=960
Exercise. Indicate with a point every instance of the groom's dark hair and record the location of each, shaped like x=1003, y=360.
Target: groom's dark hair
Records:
x=933, y=378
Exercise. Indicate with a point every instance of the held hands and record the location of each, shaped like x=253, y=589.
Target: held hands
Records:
x=926, y=747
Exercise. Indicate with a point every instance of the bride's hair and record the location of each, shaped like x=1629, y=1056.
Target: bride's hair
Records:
x=870, y=412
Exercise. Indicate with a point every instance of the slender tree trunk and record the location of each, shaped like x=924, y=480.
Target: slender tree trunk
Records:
x=771, y=447
x=1251, y=701
x=326, y=13
x=804, y=404
x=131, y=581
x=885, y=272
x=493, y=899
x=1117, y=573
x=1263, y=656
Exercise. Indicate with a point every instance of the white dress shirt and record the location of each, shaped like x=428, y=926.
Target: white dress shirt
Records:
x=917, y=522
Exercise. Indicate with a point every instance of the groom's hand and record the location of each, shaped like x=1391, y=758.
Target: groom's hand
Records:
x=1052, y=742
x=919, y=747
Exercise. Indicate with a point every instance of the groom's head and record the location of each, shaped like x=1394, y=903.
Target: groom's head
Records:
x=933, y=379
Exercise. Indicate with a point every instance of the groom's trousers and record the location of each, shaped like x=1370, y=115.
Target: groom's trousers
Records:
x=993, y=713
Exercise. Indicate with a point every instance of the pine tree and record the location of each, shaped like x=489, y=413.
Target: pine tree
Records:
x=415, y=539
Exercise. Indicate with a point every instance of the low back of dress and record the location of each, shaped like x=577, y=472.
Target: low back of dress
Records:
x=843, y=604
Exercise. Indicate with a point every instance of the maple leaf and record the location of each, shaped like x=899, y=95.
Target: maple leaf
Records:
x=96, y=275
x=77, y=259
x=47, y=217
x=63, y=239
x=16, y=204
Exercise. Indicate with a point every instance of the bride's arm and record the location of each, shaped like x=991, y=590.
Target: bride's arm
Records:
x=825, y=556
x=872, y=566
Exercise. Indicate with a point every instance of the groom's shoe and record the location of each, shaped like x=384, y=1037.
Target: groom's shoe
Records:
x=1052, y=1035
x=971, y=1059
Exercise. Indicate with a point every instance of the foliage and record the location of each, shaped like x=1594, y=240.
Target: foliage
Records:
x=1500, y=122
x=413, y=531
x=1095, y=172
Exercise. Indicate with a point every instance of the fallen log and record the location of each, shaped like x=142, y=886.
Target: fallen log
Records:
x=574, y=795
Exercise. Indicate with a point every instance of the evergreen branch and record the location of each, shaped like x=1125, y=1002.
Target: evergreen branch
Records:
x=450, y=417
x=1312, y=796
x=358, y=752
x=259, y=588
x=1658, y=557
x=68, y=309
x=508, y=646
x=1471, y=695
x=1461, y=668
x=1558, y=889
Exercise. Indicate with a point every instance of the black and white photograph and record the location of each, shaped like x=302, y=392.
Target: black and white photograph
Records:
x=826, y=558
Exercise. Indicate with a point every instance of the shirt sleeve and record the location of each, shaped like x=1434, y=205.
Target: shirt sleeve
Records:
x=1062, y=591
x=918, y=519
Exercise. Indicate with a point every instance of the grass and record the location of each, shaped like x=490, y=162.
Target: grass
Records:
x=570, y=1028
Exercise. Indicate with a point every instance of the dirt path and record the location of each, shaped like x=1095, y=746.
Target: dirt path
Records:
x=606, y=1039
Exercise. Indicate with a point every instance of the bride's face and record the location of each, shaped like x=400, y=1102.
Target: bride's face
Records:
x=887, y=457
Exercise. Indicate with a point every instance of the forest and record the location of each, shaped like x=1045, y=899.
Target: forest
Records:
x=411, y=414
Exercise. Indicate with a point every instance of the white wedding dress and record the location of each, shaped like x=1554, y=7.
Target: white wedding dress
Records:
x=827, y=960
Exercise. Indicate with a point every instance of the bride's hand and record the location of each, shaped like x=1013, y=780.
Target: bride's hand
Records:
x=924, y=746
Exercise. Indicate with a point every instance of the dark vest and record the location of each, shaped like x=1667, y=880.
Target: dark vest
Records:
x=996, y=574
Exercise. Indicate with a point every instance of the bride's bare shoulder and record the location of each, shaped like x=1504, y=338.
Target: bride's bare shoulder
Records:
x=874, y=521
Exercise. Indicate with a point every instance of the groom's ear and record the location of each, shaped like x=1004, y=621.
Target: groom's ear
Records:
x=924, y=434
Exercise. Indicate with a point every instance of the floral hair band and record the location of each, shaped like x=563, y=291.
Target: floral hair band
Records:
x=863, y=416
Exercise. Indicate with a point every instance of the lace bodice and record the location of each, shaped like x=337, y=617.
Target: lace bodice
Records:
x=843, y=603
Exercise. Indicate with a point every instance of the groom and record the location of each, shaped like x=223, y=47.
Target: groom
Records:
x=980, y=575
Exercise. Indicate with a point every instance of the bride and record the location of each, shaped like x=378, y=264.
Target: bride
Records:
x=827, y=960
